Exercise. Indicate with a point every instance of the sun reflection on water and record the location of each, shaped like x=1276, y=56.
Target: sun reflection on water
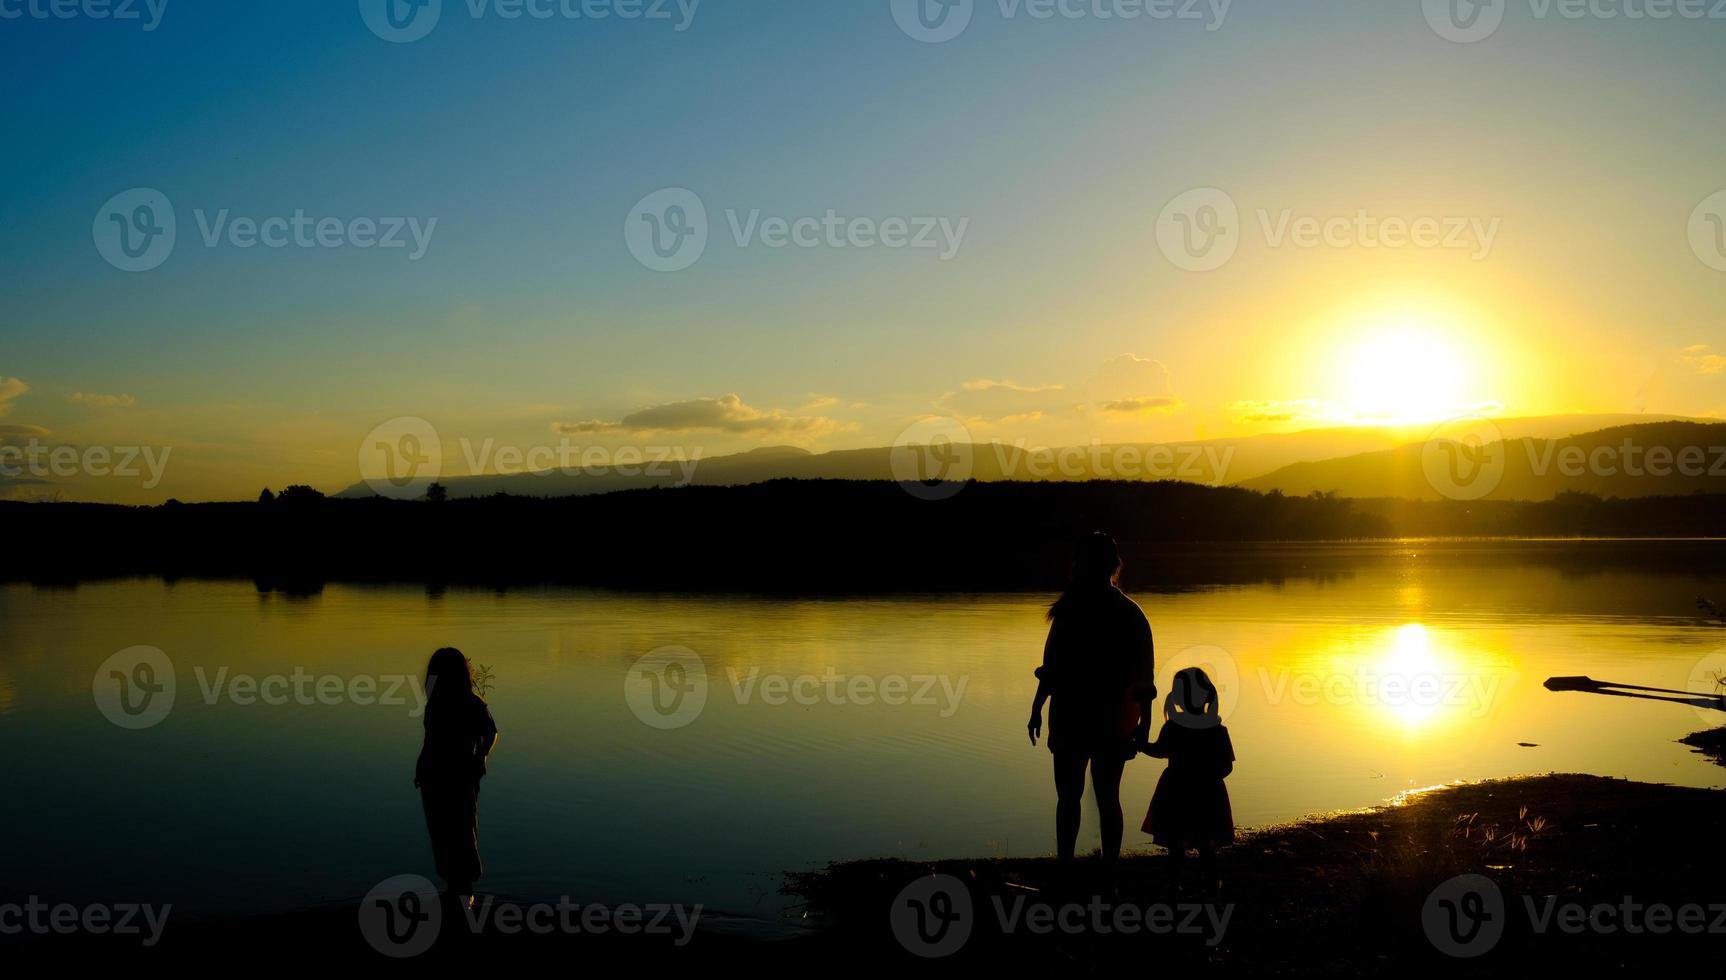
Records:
x=1410, y=681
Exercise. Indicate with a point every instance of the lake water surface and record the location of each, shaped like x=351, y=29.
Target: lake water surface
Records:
x=830, y=728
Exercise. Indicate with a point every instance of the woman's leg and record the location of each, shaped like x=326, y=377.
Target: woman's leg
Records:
x=1069, y=796
x=1106, y=783
x=452, y=823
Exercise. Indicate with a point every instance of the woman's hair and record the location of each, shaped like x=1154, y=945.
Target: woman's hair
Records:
x=448, y=675
x=1193, y=700
x=1096, y=566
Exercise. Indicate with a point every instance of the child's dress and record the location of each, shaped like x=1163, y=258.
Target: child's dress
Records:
x=1191, y=804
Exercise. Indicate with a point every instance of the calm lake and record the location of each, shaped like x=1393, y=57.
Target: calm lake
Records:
x=789, y=732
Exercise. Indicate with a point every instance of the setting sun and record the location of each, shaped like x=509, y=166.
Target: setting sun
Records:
x=1404, y=373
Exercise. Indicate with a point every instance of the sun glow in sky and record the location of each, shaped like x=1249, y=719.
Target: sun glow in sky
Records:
x=1405, y=372
x=1059, y=321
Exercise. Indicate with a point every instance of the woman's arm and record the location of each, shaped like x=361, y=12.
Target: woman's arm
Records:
x=1144, y=678
x=487, y=742
x=1044, y=687
x=1036, y=725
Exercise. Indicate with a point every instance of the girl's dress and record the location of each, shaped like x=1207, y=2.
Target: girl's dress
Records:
x=1191, y=804
x=449, y=770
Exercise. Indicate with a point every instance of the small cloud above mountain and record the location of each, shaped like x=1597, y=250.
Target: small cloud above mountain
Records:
x=10, y=390
x=1126, y=384
x=728, y=414
x=101, y=401
x=1703, y=359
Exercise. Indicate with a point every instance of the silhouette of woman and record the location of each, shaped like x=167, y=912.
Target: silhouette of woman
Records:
x=1099, y=667
x=459, y=736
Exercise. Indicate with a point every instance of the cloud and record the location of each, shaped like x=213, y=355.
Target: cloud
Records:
x=18, y=435
x=584, y=428
x=1128, y=384
x=1295, y=410
x=984, y=400
x=1142, y=406
x=1705, y=361
x=101, y=401
x=1125, y=385
x=10, y=389
x=725, y=414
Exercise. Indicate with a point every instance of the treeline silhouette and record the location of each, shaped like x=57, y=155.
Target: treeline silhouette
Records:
x=780, y=536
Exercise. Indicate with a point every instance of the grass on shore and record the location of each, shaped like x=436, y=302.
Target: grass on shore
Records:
x=1345, y=894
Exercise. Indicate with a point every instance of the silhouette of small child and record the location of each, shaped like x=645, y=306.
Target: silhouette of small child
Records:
x=1190, y=807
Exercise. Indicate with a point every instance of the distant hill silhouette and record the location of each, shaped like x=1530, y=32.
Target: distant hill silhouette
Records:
x=1535, y=468
x=1212, y=461
x=817, y=537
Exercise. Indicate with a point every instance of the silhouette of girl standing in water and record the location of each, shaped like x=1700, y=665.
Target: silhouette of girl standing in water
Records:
x=459, y=736
x=1100, y=670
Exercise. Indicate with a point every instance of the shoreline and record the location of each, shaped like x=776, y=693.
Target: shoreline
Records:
x=1338, y=894
x=1344, y=894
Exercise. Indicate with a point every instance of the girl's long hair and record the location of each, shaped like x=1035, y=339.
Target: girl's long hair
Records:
x=449, y=677
x=1096, y=568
